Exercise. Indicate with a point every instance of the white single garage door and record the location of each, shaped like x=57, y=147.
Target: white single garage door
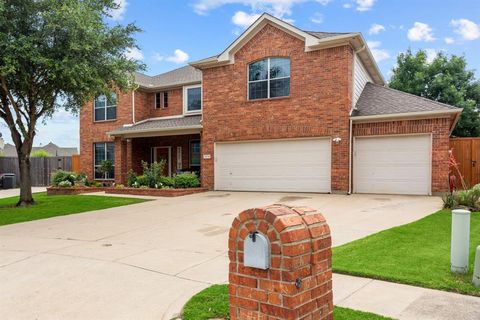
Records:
x=274, y=165
x=392, y=165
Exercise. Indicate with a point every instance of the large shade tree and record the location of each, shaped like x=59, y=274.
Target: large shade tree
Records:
x=57, y=54
x=445, y=79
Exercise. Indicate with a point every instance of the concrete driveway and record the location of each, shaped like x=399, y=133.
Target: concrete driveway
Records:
x=144, y=261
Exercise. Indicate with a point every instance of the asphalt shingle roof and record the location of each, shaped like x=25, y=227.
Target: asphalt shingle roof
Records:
x=325, y=35
x=180, y=76
x=380, y=100
x=160, y=124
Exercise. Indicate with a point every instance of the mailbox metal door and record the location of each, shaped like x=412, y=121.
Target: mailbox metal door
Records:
x=256, y=251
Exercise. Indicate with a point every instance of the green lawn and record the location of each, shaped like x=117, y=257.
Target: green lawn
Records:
x=417, y=253
x=52, y=206
x=213, y=303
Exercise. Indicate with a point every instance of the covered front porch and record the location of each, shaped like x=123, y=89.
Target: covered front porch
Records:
x=175, y=140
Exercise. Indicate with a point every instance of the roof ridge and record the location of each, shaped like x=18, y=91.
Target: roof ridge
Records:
x=413, y=95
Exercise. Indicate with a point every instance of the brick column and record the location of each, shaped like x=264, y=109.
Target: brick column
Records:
x=120, y=160
x=298, y=284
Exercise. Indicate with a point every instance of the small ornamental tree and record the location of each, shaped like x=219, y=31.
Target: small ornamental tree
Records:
x=57, y=54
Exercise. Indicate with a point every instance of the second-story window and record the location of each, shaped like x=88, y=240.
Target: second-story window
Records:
x=192, y=99
x=161, y=100
x=269, y=78
x=105, y=107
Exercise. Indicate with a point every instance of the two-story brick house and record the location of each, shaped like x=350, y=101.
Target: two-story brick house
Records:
x=280, y=109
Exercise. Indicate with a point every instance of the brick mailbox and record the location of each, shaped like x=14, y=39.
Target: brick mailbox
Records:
x=280, y=264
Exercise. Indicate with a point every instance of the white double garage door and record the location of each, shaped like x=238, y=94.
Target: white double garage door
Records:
x=387, y=164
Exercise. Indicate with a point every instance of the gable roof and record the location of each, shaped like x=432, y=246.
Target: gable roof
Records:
x=178, y=77
x=378, y=100
x=313, y=41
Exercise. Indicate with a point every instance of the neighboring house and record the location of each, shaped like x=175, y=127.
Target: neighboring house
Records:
x=280, y=109
x=53, y=150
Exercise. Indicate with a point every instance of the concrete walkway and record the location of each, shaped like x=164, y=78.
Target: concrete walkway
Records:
x=146, y=260
x=402, y=302
x=6, y=193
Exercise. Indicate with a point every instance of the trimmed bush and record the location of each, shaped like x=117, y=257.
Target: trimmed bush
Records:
x=186, y=180
x=131, y=178
x=143, y=181
x=60, y=176
x=65, y=184
x=167, y=181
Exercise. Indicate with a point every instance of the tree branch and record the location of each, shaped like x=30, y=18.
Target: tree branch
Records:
x=15, y=107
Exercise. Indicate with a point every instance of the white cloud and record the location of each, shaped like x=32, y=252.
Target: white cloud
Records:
x=467, y=29
x=179, y=56
x=378, y=53
x=317, y=18
x=431, y=54
x=277, y=8
x=449, y=40
x=364, y=5
x=119, y=13
x=347, y=5
x=421, y=32
x=134, y=54
x=243, y=19
x=376, y=28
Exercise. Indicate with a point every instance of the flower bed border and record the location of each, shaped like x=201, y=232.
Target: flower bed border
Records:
x=156, y=192
x=57, y=191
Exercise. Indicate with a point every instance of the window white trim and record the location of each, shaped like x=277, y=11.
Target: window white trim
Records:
x=268, y=80
x=185, y=99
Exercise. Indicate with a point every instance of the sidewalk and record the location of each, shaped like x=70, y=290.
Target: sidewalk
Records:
x=6, y=193
x=401, y=301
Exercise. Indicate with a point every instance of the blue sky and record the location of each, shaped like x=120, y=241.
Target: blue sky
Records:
x=177, y=32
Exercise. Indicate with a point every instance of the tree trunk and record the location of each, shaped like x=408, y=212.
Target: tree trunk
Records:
x=26, y=198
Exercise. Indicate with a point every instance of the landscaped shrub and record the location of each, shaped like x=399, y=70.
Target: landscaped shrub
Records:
x=61, y=175
x=186, y=180
x=131, y=178
x=40, y=154
x=168, y=182
x=143, y=181
x=153, y=172
x=119, y=186
x=463, y=198
x=65, y=184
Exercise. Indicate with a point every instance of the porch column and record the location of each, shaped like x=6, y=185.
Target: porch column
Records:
x=120, y=160
x=129, y=155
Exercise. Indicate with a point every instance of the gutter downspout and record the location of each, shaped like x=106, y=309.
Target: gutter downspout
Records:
x=133, y=106
x=350, y=156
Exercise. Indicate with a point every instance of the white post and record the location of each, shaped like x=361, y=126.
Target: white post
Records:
x=476, y=269
x=460, y=245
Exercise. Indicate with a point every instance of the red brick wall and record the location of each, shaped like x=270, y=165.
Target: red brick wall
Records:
x=92, y=132
x=318, y=106
x=300, y=246
x=145, y=104
x=440, y=129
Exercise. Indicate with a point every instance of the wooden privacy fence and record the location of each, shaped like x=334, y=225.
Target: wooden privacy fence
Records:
x=76, y=163
x=41, y=168
x=467, y=153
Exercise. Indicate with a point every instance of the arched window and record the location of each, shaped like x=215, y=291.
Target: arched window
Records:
x=269, y=78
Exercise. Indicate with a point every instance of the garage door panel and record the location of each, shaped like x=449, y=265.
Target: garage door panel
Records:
x=396, y=165
x=283, y=165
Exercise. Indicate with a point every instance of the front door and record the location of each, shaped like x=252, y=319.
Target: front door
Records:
x=163, y=153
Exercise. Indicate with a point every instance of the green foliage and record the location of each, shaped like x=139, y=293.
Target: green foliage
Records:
x=97, y=184
x=143, y=181
x=445, y=79
x=449, y=201
x=61, y=175
x=186, y=180
x=106, y=166
x=65, y=184
x=58, y=55
x=82, y=177
x=167, y=182
x=468, y=198
x=131, y=178
x=153, y=172
x=40, y=153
